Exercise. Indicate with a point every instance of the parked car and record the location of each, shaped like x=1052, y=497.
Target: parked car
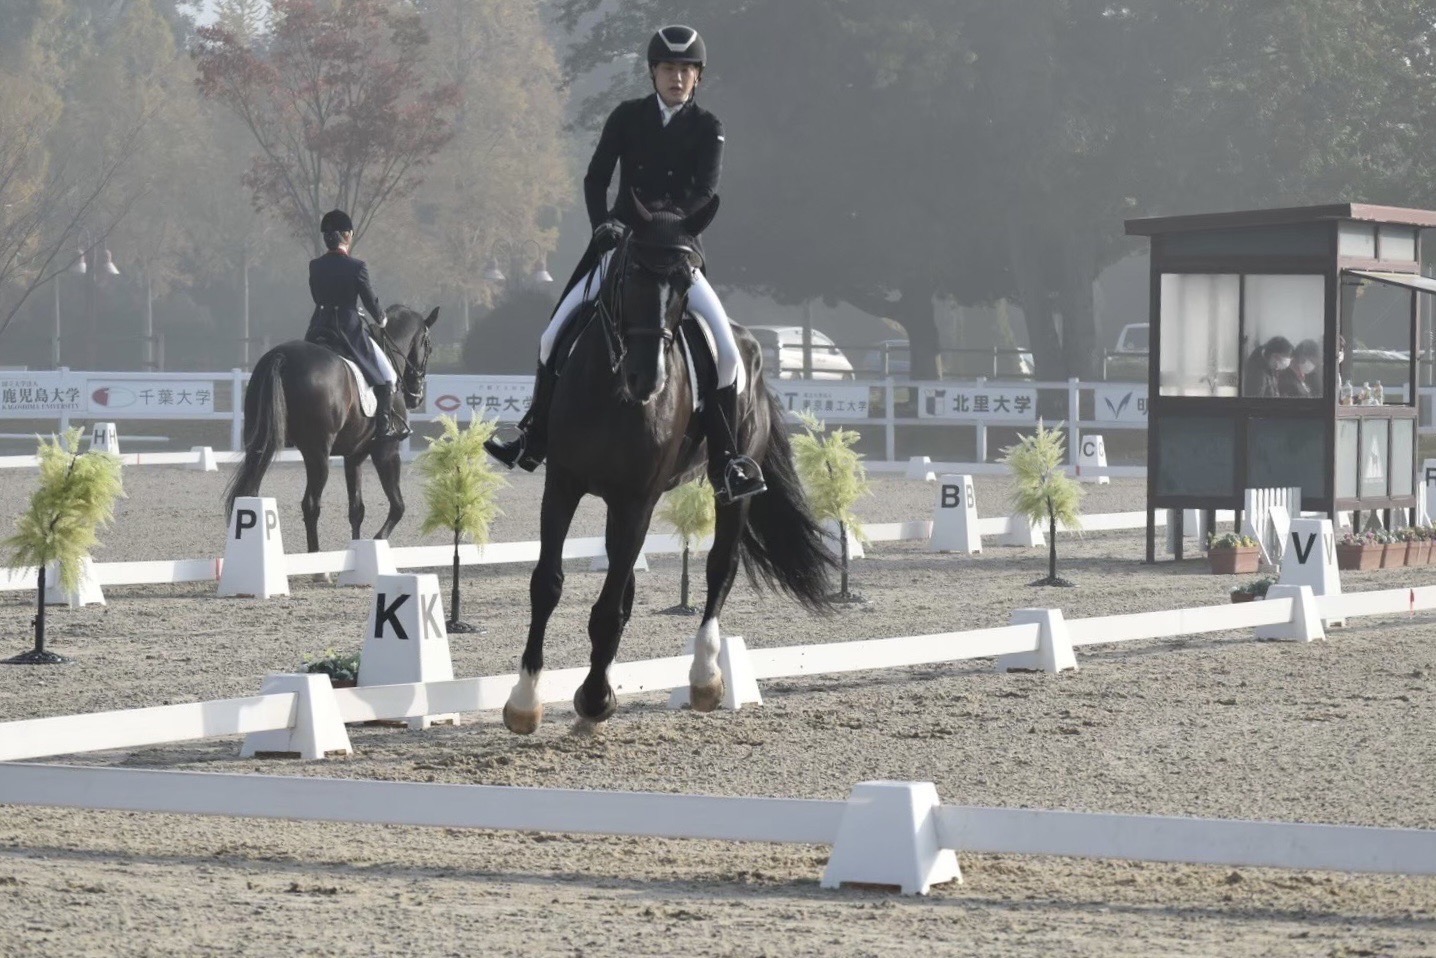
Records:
x=1134, y=338
x=783, y=353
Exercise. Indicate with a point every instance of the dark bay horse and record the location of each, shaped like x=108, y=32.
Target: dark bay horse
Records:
x=305, y=395
x=622, y=427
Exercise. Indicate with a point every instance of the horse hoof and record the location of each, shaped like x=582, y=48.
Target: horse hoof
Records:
x=520, y=722
x=706, y=698
x=604, y=712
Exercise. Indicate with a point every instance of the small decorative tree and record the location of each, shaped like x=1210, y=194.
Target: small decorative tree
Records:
x=76, y=496
x=691, y=511
x=835, y=479
x=1044, y=490
x=459, y=488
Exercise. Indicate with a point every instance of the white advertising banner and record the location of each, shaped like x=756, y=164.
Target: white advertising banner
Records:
x=505, y=398
x=25, y=395
x=1120, y=403
x=822, y=399
x=977, y=402
x=149, y=398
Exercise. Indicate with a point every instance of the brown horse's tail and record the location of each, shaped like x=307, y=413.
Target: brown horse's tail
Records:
x=782, y=543
x=264, y=416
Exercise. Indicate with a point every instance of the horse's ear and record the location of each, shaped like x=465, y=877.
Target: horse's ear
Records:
x=697, y=221
x=642, y=210
x=432, y=318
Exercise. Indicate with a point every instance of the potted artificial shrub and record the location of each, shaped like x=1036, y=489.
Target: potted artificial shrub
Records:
x=1253, y=590
x=1233, y=554
x=341, y=667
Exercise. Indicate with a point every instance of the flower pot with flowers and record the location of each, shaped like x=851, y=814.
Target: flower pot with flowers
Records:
x=1232, y=554
x=1254, y=590
x=341, y=667
x=1394, y=555
x=1420, y=554
x=1359, y=551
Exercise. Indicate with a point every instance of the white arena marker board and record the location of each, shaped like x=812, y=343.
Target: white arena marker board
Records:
x=254, y=562
x=104, y=437
x=920, y=468
x=955, y=525
x=1428, y=485
x=1310, y=559
x=405, y=639
x=1092, y=456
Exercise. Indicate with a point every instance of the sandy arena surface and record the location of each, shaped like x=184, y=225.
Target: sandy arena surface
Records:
x=1214, y=726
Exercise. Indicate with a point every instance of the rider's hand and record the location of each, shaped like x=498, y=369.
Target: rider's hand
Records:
x=608, y=233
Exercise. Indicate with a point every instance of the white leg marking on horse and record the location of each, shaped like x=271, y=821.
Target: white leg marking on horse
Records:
x=704, y=671
x=525, y=695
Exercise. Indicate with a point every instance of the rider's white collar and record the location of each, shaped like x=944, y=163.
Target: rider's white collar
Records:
x=665, y=112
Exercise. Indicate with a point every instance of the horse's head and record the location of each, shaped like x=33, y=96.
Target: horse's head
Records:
x=654, y=271
x=409, y=331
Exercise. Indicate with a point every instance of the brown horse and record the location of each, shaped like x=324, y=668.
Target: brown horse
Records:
x=304, y=395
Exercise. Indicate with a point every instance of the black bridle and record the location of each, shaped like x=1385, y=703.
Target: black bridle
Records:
x=412, y=371
x=663, y=261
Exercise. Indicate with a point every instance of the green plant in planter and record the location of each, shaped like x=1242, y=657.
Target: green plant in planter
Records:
x=1256, y=587
x=691, y=511
x=1044, y=491
x=339, y=666
x=1230, y=540
x=834, y=477
x=75, y=497
x=459, y=489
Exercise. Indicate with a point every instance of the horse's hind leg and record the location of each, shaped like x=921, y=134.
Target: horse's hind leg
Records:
x=627, y=525
x=561, y=494
x=316, y=468
x=705, y=678
x=353, y=481
x=386, y=463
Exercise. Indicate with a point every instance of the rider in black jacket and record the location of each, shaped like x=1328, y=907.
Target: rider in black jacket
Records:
x=668, y=150
x=338, y=281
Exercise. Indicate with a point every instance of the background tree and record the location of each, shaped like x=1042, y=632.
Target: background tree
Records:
x=75, y=496
x=834, y=479
x=336, y=104
x=691, y=511
x=459, y=489
x=1043, y=490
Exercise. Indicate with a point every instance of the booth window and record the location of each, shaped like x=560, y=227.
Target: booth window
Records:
x=1376, y=325
x=1200, y=348
x=1283, y=318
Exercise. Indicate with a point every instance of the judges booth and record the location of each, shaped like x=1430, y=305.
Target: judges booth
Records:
x=1259, y=321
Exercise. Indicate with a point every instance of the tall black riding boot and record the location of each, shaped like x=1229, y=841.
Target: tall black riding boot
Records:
x=734, y=476
x=529, y=449
x=387, y=424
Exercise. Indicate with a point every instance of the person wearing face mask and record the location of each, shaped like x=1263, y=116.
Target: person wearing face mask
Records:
x=1302, y=379
x=1265, y=366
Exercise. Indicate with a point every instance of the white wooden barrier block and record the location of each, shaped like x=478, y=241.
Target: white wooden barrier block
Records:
x=405, y=639
x=1054, y=644
x=830, y=539
x=88, y=592
x=740, y=684
x=920, y=468
x=888, y=836
x=600, y=563
x=317, y=731
x=1305, y=624
x=254, y=551
x=1022, y=531
x=955, y=527
x=204, y=459
x=1092, y=454
x=371, y=560
x=104, y=437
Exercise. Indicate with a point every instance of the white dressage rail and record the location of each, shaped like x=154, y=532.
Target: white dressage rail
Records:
x=920, y=836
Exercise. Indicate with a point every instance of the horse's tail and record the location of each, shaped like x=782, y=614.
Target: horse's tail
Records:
x=782, y=543
x=264, y=416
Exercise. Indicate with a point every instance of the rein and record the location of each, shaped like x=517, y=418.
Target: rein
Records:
x=610, y=306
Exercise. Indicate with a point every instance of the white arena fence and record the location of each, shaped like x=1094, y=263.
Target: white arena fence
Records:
x=887, y=832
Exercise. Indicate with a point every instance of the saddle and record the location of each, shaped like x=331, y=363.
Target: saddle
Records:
x=339, y=346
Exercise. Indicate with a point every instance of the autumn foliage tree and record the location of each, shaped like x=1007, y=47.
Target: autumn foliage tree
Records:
x=335, y=99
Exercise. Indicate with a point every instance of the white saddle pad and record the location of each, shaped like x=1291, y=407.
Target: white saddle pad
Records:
x=368, y=402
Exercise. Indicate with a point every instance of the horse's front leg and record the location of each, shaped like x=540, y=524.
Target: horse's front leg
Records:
x=705, y=677
x=353, y=481
x=561, y=494
x=627, y=525
x=386, y=463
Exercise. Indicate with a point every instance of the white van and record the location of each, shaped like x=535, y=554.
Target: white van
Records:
x=783, y=353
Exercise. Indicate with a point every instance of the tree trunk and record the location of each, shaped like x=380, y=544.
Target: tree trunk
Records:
x=683, y=587
x=916, y=315
x=1051, y=544
x=40, y=615
x=1079, y=317
x=843, y=537
x=454, y=595
x=1033, y=295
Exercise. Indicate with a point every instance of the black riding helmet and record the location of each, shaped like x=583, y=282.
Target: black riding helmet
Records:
x=336, y=221
x=677, y=44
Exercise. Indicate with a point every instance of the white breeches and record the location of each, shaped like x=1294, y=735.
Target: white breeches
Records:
x=702, y=302
x=382, y=361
